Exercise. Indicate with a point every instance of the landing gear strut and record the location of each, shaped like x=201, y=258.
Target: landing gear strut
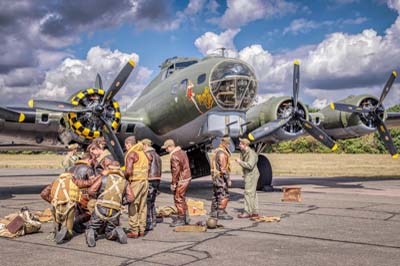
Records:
x=265, y=179
x=198, y=162
x=264, y=167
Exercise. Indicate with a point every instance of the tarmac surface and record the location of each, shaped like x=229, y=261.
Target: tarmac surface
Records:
x=340, y=221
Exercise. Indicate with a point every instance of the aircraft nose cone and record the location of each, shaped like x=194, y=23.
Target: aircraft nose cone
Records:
x=233, y=84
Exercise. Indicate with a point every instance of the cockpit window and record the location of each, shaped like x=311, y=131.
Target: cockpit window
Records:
x=181, y=65
x=177, y=66
x=169, y=71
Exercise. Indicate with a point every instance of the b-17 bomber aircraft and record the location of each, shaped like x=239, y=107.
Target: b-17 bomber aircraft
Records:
x=196, y=102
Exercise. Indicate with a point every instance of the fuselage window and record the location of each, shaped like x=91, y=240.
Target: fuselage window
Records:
x=174, y=88
x=45, y=118
x=201, y=78
x=183, y=85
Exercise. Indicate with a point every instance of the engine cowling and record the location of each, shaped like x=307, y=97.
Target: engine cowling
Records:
x=274, y=108
x=86, y=126
x=343, y=125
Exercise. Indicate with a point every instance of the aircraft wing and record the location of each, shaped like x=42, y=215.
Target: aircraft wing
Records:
x=357, y=115
x=284, y=118
x=393, y=119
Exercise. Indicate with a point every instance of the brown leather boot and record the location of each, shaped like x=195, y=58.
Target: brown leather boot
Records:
x=132, y=234
x=243, y=215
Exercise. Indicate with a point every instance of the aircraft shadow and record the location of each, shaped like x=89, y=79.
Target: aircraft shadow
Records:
x=332, y=182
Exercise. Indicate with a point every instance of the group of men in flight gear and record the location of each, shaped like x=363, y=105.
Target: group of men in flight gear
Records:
x=89, y=196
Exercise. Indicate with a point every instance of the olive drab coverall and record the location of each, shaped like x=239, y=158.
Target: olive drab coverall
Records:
x=251, y=174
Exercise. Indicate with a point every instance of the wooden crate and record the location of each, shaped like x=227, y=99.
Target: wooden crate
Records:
x=291, y=194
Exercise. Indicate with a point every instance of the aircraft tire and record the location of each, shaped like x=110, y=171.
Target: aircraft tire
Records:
x=265, y=180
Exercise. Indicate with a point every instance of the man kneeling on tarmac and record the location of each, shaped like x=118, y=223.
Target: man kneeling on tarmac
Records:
x=112, y=192
x=63, y=194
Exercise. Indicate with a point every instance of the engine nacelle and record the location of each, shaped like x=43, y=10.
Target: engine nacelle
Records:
x=343, y=125
x=274, y=108
x=84, y=127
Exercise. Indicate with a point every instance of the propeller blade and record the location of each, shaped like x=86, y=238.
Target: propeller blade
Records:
x=296, y=83
x=344, y=107
x=112, y=142
x=11, y=115
x=119, y=81
x=268, y=128
x=386, y=137
x=57, y=106
x=318, y=134
x=98, y=84
x=387, y=87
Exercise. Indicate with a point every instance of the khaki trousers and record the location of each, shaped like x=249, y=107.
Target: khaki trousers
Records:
x=250, y=194
x=138, y=208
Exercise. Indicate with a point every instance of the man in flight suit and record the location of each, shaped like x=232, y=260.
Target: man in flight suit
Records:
x=136, y=172
x=154, y=182
x=248, y=162
x=63, y=193
x=71, y=157
x=112, y=192
x=82, y=170
x=220, y=173
x=181, y=176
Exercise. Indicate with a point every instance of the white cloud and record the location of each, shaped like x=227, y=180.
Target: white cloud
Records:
x=212, y=6
x=301, y=26
x=319, y=103
x=341, y=65
x=394, y=4
x=209, y=42
x=194, y=6
x=260, y=98
x=75, y=74
x=241, y=12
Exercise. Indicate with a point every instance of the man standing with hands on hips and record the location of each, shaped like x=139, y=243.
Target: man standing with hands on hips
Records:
x=248, y=162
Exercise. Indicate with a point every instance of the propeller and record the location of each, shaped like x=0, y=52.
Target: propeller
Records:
x=112, y=142
x=296, y=116
x=118, y=82
x=11, y=115
x=374, y=115
x=98, y=84
x=96, y=111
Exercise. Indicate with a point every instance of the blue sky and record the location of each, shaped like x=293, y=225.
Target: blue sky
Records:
x=267, y=32
x=53, y=48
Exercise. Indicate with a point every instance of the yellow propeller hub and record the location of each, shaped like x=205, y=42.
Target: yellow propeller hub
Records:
x=30, y=103
x=21, y=117
x=251, y=137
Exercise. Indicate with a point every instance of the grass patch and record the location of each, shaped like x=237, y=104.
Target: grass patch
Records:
x=308, y=164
